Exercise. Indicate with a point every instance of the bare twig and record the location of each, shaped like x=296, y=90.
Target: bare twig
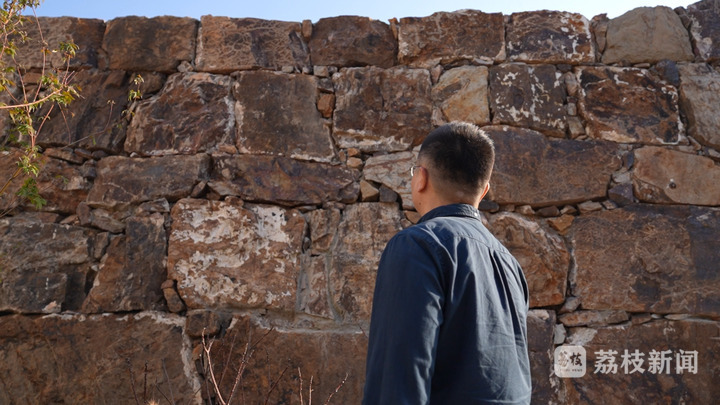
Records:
x=132, y=380
x=167, y=378
x=327, y=401
x=272, y=387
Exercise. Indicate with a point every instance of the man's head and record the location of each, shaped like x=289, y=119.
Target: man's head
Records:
x=456, y=161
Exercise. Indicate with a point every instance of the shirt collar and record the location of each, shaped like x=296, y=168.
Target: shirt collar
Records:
x=452, y=210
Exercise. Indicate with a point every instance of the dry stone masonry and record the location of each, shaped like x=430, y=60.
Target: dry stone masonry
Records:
x=247, y=197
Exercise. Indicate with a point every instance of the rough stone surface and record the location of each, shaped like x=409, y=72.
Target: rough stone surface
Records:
x=193, y=113
x=669, y=177
x=593, y=318
x=277, y=114
x=8, y=167
x=226, y=255
x=644, y=258
x=647, y=34
x=352, y=41
x=381, y=109
x=444, y=38
x=282, y=180
x=549, y=37
x=462, y=94
x=150, y=44
x=705, y=29
x=87, y=34
x=629, y=105
x=62, y=185
x=230, y=44
x=528, y=96
x=540, y=326
x=700, y=101
x=542, y=254
x=97, y=359
x=393, y=171
x=525, y=159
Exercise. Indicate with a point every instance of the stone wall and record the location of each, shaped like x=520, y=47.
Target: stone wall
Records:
x=249, y=195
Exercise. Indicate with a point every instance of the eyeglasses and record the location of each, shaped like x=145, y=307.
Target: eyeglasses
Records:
x=412, y=170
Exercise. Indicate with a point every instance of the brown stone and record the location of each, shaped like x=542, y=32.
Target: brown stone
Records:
x=666, y=176
x=540, y=329
x=347, y=41
x=326, y=104
x=172, y=299
x=368, y=192
x=230, y=44
x=229, y=255
x=528, y=96
x=462, y=94
x=700, y=101
x=562, y=223
x=444, y=38
x=125, y=181
x=629, y=105
x=201, y=323
x=628, y=385
x=543, y=256
x=193, y=113
x=528, y=166
x=381, y=109
x=277, y=114
x=11, y=176
x=549, y=37
x=323, y=226
x=132, y=272
x=157, y=44
x=392, y=171
x=94, y=359
x=643, y=258
x=705, y=29
x=593, y=318
x=647, y=34
x=282, y=180
x=87, y=34
x=62, y=185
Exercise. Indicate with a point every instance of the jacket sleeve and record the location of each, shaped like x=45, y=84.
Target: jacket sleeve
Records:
x=405, y=321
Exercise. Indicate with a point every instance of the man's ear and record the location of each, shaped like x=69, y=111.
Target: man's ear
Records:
x=487, y=188
x=423, y=178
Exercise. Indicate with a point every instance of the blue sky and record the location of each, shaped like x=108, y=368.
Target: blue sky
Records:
x=298, y=10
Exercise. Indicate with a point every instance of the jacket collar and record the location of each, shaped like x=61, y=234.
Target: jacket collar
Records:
x=452, y=210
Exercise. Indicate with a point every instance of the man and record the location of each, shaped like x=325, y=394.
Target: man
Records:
x=450, y=305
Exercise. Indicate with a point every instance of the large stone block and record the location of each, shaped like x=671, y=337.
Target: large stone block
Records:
x=125, y=181
x=393, y=171
x=629, y=105
x=193, y=113
x=48, y=33
x=381, y=110
x=705, y=29
x=700, y=101
x=670, y=177
x=528, y=96
x=76, y=359
x=540, y=330
x=226, y=255
x=647, y=34
x=157, y=44
x=230, y=44
x=63, y=185
x=462, y=94
x=277, y=114
x=282, y=180
x=528, y=168
x=542, y=254
x=549, y=37
x=347, y=41
x=645, y=258
x=445, y=38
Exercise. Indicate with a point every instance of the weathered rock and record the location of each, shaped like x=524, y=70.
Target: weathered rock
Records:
x=549, y=37
x=643, y=258
x=62, y=185
x=277, y=114
x=150, y=44
x=96, y=359
x=705, y=29
x=593, y=318
x=543, y=256
x=670, y=177
x=201, y=323
x=528, y=166
x=292, y=360
x=347, y=41
x=193, y=113
x=629, y=105
x=282, y=180
x=462, y=94
x=393, y=171
x=381, y=109
x=323, y=227
x=445, y=38
x=226, y=255
x=647, y=384
x=528, y=96
x=647, y=34
x=11, y=178
x=44, y=265
x=87, y=34
x=700, y=101
x=231, y=44
x=125, y=181
x=133, y=270
x=540, y=329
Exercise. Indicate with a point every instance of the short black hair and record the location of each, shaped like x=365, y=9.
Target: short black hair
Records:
x=461, y=156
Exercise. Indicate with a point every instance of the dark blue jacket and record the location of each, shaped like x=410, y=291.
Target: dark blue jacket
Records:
x=449, y=315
